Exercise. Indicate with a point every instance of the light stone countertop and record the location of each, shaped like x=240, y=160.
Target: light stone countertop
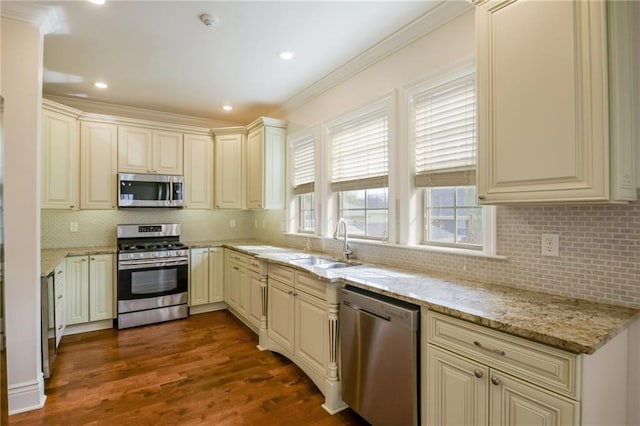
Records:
x=574, y=325
x=50, y=258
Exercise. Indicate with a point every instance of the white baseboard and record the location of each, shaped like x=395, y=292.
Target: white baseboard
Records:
x=88, y=326
x=27, y=396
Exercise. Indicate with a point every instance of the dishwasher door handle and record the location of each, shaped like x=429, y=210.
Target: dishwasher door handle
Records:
x=373, y=314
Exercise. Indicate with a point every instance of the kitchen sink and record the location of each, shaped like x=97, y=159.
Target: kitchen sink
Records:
x=322, y=262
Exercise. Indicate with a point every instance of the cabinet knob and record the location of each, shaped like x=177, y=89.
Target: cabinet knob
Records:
x=236, y=268
x=482, y=197
x=84, y=260
x=290, y=292
x=60, y=327
x=73, y=206
x=495, y=381
x=478, y=374
x=59, y=272
x=60, y=297
x=93, y=258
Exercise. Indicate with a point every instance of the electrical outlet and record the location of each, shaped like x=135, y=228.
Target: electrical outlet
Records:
x=232, y=224
x=550, y=244
x=264, y=223
x=73, y=226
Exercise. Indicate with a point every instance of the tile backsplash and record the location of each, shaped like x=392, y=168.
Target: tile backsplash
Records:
x=599, y=252
x=98, y=227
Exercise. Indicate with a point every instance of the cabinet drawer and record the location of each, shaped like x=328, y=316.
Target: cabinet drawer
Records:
x=257, y=265
x=239, y=258
x=306, y=282
x=281, y=273
x=551, y=368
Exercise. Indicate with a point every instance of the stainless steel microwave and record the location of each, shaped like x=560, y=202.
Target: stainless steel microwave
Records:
x=142, y=190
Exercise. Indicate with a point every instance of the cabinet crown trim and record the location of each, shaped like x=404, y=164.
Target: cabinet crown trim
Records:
x=266, y=121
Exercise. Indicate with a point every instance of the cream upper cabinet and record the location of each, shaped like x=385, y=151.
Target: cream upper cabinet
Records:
x=98, y=165
x=555, y=101
x=265, y=164
x=142, y=150
x=229, y=167
x=198, y=171
x=60, y=162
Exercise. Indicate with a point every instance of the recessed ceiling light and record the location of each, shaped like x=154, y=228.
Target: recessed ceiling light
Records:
x=97, y=1
x=100, y=85
x=227, y=107
x=286, y=55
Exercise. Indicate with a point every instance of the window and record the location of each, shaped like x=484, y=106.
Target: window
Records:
x=452, y=216
x=444, y=137
x=304, y=183
x=360, y=168
x=366, y=212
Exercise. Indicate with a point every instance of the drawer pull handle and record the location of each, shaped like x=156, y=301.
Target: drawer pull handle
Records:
x=478, y=374
x=60, y=297
x=495, y=381
x=494, y=351
x=236, y=268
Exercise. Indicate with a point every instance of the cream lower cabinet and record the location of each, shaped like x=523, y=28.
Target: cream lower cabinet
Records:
x=556, y=101
x=303, y=325
x=59, y=285
x=245, y=287
x=206, y=275
x=473, y=375
x=98, y=165
x=89, y=288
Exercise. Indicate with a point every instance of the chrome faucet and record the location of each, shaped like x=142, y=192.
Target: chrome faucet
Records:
x=346, y=250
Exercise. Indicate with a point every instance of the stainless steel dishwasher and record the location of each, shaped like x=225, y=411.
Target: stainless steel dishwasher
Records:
x=379, y=339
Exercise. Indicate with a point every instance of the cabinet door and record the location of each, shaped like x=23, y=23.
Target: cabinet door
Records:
x=518, y=403
x=59, y=300
x=274, y=170
x=255, y=294
x=135, y=146
x=232, y=286
x=542, y=101
x=198, y=172
x=216, y=274
x=99, y=165
x=167, y=153
x=199, y=276
x=281, y=314
x=244, y=292
x=101, y=287
x=457, y=390
x=312, y=331
x=228, y=171
x=77, y=290
x=255, y=163
x=59, y=161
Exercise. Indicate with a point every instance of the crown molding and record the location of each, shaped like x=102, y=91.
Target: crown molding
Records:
x=43, y=17
x=108, y=109
x=439, y=15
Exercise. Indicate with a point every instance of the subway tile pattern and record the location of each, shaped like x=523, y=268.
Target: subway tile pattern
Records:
x=97, y=228
x=599, y=252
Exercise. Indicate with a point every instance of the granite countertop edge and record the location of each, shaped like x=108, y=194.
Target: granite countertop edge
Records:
x=574, y=325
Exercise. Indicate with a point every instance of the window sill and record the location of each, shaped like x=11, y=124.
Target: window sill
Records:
x=434, y=249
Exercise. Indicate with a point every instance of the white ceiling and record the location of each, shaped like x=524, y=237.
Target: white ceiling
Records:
x=158, y=55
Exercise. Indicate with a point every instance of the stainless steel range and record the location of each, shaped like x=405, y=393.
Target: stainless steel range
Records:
x=153, y=274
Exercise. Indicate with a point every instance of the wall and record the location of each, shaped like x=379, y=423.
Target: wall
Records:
x=22, y=88
x=599, y=245
x=98, y=227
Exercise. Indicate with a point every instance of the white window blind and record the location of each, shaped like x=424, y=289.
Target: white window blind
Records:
x=444, y=126
x=303, y=165
x=359, y=147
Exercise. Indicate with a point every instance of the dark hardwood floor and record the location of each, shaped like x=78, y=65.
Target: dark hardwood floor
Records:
x=205, y=370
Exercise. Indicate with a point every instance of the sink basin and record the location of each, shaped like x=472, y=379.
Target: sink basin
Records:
x=313, y=261
x=321, y=262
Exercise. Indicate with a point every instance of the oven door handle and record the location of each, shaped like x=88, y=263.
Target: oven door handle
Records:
x=151, y=263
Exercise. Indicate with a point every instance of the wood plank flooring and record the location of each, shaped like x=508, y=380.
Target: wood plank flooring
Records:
x=204, y=370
